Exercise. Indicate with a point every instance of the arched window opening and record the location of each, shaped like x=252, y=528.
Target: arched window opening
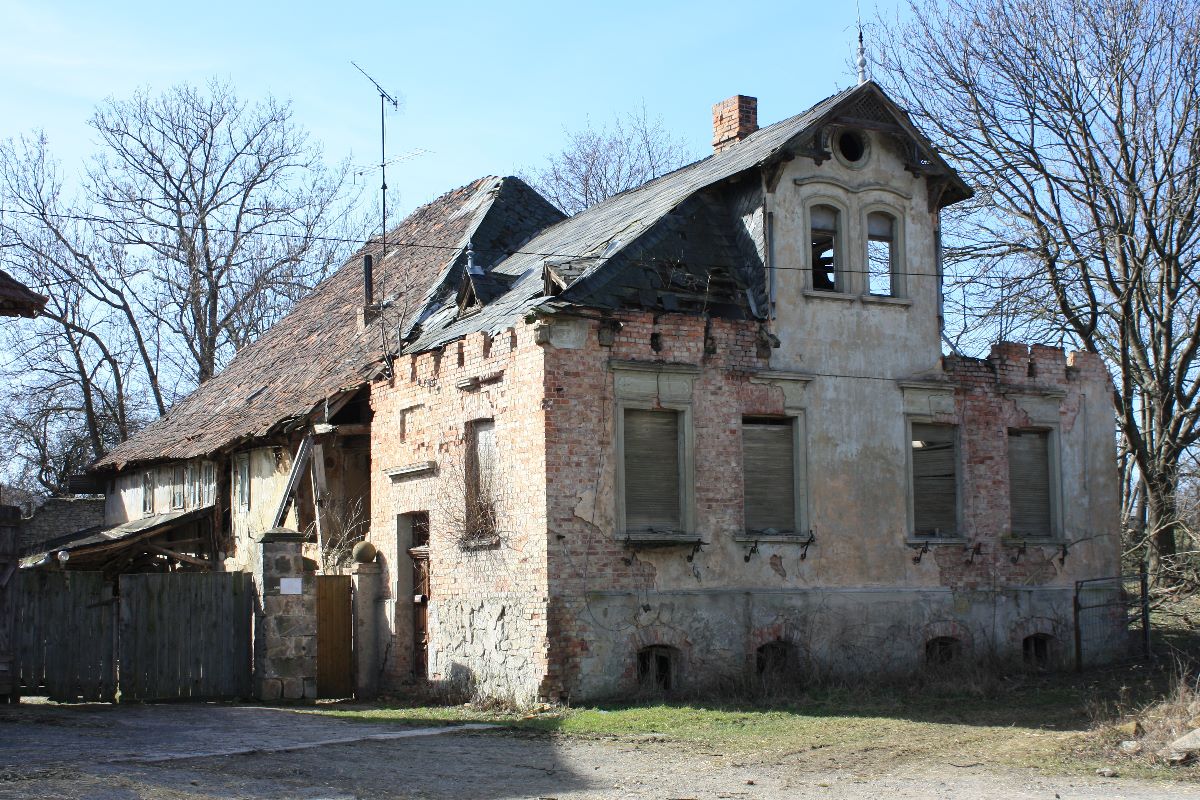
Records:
x=826, y=260
x=657, y=667
x=881, y=254
x=1037, y=649
x=775, y=660
x=942, y=650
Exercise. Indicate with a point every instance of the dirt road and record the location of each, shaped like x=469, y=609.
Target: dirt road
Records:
x=188, y=752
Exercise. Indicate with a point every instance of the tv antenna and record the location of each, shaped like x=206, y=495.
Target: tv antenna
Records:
x=384, y=99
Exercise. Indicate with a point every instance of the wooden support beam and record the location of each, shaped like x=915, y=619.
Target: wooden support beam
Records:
x=298, y=464
x=186, y=559
x=319, y=490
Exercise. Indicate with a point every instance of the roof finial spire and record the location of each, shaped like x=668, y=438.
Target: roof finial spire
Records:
x=862, y=57
x=472, y=268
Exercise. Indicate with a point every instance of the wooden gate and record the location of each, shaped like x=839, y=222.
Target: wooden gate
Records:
x=185, y=635
x=64, y=636
x=334, y=637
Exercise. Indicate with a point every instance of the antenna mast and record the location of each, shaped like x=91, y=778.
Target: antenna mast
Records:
x=384, y=98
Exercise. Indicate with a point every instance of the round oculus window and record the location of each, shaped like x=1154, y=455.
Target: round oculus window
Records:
x=852, y=146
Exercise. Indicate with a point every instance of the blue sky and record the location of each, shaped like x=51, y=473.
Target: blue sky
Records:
x=488, y=88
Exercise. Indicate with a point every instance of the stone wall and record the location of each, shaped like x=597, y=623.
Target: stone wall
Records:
x=487, y=599
x=59, y=516
x=285, y=623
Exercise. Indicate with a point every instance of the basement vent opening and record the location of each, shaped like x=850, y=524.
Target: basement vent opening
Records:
x=942, y=650
x=775, y=660
x=656, y=666
x=1037, y=648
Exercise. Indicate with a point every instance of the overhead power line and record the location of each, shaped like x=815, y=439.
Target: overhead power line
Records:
x=426, y=245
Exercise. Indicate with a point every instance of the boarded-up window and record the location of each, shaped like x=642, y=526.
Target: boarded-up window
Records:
x=1029, y=483
x=934, y=480
x=481, y=479
x=652, y=459
x=769, y=475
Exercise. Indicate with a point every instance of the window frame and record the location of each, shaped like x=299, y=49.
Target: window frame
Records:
x=208, y=483
x=802, y=527
x=1054, y=490
x=842, y=277
x=178, y=487
x=149, y=486
x=241, y=486
x=898, y=266
x=911, y=527
x=650, y=386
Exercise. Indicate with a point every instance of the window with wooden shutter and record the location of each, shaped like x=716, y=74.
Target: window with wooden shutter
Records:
x=1029, y=485
x=652, y=471
x=934, y=480
x=769, y=475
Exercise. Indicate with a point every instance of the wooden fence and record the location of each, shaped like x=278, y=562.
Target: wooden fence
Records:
x=65, y=634
x=166, y=636
x=185, y=635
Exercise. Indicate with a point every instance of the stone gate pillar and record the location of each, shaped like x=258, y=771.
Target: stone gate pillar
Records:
x=285, y=620
x=368, y=578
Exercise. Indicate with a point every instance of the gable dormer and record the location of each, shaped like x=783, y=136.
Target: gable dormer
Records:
x=855, y=266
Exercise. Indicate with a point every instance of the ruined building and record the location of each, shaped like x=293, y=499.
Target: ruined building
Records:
x=704, y=428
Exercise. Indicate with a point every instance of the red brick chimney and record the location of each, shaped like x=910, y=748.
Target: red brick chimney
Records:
x=733, y=120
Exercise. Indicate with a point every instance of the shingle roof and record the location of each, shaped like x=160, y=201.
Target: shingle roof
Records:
x=17, y=300
x=322, y=348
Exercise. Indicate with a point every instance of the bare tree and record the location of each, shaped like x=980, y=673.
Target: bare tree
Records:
x=1076, y=122
x=201, y=221
x=225, y=210
x=598, y=163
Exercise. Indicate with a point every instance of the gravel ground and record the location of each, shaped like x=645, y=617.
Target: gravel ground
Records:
x=188, y=752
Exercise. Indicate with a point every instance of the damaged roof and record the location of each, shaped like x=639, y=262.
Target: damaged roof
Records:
x=322, y=348
x=18, y=300
x=627, y=249
x=682, y=242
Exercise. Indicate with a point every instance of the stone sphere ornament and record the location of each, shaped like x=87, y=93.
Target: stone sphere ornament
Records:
x=363, y=552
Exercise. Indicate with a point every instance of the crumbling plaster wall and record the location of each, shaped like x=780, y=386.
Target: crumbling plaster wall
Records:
x=857, y=601
x=269, y=469
x=486, y=605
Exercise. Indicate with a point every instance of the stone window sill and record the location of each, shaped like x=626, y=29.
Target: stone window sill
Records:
x=843, y=296
x=886, y=300
x=917, y=541
x=660, y=539
x=783, y=537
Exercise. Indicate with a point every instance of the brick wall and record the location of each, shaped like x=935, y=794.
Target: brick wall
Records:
x=486, y=604
x=561, y=607
x=858, y=600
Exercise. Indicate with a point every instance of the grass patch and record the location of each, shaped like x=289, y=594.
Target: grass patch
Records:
x=1056, y=724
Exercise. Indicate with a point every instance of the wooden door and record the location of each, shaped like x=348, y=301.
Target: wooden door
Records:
x=335, y=655
x=420, y=616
